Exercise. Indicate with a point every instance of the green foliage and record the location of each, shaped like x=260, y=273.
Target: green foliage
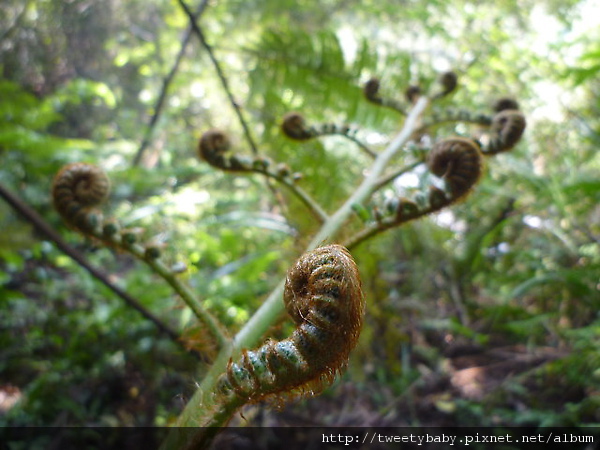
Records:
x=81, y=82
x=79, y=357
x=587, y=68
x=24, y=120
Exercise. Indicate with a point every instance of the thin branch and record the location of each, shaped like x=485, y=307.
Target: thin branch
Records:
x=305, y=198
x=393, y=104
x=164, y=90
x=361, y=145
x=386, y=223
x=395, y=174
x=46, y=230
x=376, y=228
x=300, y=193
x=217, y=65
x=225, y=83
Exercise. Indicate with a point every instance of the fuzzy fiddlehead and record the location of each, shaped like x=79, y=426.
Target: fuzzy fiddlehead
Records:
x=372, y=94
x=448, y=82
x=506, y=131
x=295, y=127
x=78, y=189
x=371, y=90
x=413, y=93
x=214, y=148
x=458, y=162
x=323, y=296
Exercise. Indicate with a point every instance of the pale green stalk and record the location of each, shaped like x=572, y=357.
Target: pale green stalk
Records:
x=303, y=196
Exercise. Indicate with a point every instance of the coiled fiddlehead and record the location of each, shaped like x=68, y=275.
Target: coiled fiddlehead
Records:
x=371, y=90
x=213, y=148
x=506, y=131
x=448, y=82
x=77, y=191
x=371, y=93
x=324, y=298
x=294, y=126
x=458, y=162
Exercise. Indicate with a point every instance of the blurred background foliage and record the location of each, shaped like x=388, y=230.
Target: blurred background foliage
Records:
x=485, y=314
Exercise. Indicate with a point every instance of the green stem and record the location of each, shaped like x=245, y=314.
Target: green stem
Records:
x=361, y=145
x=379, y=227
x=303, y=196
x=437, y=119
x=191, y=300
x=395, y=174
x=206, y=408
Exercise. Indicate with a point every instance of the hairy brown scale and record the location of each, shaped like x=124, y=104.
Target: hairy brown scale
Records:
x=504, y=103
x=413, y=93
x=323, y=296
x=506, y=130
x=458, y=162
x=77, y=190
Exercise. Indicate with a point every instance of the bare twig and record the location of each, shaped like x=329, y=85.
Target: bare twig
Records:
x=165, y=88
x=438, y=118
x=395, y=174
x=217, y=65
x=225, y=83
x=362, y=146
